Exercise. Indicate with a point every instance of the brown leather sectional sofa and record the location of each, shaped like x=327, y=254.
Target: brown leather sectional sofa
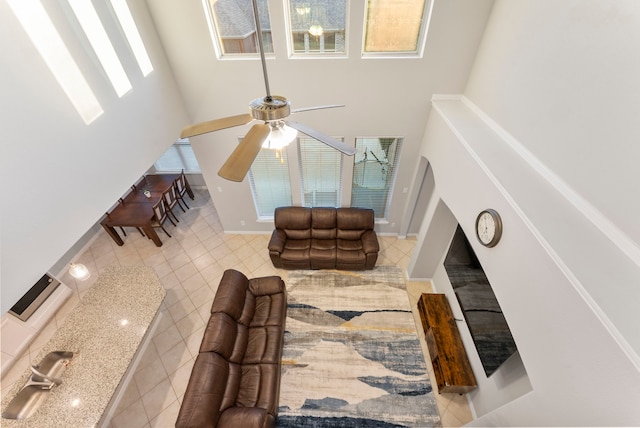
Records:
x=324, y=238
x=235, y=380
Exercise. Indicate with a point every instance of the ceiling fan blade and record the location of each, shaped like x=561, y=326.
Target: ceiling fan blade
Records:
x=215, y=125
x=298, y=110
x=338, y=145
x=238, y=164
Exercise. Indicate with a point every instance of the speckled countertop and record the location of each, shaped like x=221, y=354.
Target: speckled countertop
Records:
x=104, y=332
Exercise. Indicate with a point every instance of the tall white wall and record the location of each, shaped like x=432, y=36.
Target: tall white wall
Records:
x=546, y=133
x=59, y=175
x=562, y=78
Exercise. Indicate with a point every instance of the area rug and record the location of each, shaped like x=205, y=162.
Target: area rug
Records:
x=351, y=355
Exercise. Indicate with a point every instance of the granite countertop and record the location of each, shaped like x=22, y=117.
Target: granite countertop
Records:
x=104, y=332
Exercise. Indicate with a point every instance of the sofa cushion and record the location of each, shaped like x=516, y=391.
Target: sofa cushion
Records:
x=350, y=252
x=235, y=417
x=263, y=346
x=231, y=294
x=259, y=387
x=323, y=224
x=353, y=222
x=220, y=335
x=269, y=310
x=323, y=253
x=295, y=221
x=296, y=253
x=205, y=391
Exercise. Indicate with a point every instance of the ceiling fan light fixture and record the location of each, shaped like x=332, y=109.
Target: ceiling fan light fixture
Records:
x=316, y=30
x=281, y=136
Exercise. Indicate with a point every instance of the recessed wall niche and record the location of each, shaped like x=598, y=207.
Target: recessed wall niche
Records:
x=482, y=313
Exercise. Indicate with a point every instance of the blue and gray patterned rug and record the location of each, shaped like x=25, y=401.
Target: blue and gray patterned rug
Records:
x=351, y=353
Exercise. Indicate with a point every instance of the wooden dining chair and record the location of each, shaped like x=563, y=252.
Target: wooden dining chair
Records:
x=160, y=216
x=181, y=189
x=170, y=199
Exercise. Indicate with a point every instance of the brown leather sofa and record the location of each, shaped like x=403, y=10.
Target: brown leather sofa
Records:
x=235, y=380
x=324, y=238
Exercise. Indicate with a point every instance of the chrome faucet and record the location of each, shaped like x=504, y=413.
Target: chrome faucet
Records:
x=46, y=382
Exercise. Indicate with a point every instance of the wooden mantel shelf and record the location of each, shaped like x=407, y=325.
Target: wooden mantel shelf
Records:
x=451, y=366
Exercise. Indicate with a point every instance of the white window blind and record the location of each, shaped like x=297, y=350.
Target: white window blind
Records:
x=178, y=157
x=374, y=171
x=320, y=173
x=269, y=181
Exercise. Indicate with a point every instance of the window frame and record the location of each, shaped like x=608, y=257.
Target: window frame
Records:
x=217, y=38
x=420, y=42
x=315, y=55
x=180, y=155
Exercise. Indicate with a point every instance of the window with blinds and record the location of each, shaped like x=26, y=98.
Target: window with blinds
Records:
x=374, y=171
x=269, y=181
x=320, y=173
x=178, y=157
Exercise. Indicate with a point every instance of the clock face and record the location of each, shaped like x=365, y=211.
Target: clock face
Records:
x=488, y=228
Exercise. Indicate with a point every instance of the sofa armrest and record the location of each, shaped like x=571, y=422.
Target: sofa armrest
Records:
x=266, y=285
x=277, y=241
x=370, y=242
x=246, y=417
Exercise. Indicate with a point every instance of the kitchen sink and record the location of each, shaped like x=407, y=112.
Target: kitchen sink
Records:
x=44, y=377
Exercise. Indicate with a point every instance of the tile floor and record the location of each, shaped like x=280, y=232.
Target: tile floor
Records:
x=190, y=265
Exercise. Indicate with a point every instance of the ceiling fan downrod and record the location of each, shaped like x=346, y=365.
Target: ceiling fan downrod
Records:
x=256, y=16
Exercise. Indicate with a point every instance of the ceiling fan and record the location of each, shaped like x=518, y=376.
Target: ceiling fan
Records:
x=275, y=132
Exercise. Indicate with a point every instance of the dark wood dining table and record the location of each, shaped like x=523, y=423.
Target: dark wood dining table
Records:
x=136, y=209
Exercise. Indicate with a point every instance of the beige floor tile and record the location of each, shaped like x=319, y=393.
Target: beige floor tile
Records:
x=180, y=378
x=181, y=309
x=158, y=398
x=167, y=418
x=203, y=261
x=202, y=295
x=194, y=282
x=167, y=339
x=132, y=416
x=149, y=376
x=186, y=271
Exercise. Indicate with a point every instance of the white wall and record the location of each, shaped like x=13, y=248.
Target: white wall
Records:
x=571, y=357
x=59, y=175
x=562, y=78
x=547, y=135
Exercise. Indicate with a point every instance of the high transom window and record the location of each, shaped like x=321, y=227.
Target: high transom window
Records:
x=318, y=26
x=396, y=26
x=234, y=28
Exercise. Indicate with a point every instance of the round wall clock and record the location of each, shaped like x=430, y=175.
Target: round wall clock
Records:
x=489, y=227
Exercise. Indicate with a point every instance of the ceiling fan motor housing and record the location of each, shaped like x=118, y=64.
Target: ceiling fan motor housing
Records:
x=270, y=108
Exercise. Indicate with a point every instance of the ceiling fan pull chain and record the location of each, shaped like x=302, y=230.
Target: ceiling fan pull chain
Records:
x=261, y=48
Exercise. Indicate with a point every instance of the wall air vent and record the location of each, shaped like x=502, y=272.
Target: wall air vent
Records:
x=32, y=300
